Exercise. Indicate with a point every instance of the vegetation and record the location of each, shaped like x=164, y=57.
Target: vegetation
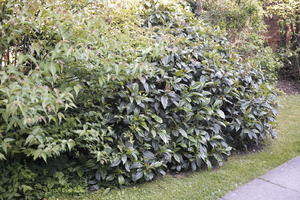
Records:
x=211, y=185
x=101, y=94
x=244, y=24
x=288, y=13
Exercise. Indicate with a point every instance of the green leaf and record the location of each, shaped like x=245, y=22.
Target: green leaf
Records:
x=2, y=157
x=115, y=162
x=156, y=164
x=36, y=154
x=221, y=114
x=217, y=137
x=164, y=101
x=208, y=163
x=80, y=172
x=124, y=159
x=70, y=144
x=121, y=180
x=145, y=84
x=157, y=118
x=29, y=140
x=44, y=156
x=106, y=191
x=183, y=133
x=149, y=155
x=165, y=61
x=138, y=175
x=163, y=135
x=77, y=88
x=153, y=132
x=52, y=69
x=176, y=157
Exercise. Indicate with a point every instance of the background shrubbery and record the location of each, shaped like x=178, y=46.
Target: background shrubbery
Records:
x=100, y=94
x=287, y=12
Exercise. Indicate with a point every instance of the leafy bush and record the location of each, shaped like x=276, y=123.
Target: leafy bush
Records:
x=262, y=57
x=232, y=15
x=245, y=28
x=90, y=99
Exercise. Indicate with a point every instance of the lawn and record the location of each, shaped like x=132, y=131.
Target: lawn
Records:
x=210, y=185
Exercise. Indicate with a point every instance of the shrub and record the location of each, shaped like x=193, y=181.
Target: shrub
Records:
x=111, y=101
x=287, y=13
x=245, y=28
x=232, y=15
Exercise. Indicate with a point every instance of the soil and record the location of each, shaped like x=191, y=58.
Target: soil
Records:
x=289, y=86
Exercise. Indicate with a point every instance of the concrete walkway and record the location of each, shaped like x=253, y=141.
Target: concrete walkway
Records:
x=281, y=183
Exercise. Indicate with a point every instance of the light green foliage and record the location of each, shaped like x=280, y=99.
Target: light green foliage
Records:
x=288, y=14
x=96, y=94
x=286, y=10
x=232, y=15
x=245, y=28
x=265, y=59
x=31, y=95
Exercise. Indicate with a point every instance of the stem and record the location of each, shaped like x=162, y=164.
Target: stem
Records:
x=7, y=56
x=16, y=56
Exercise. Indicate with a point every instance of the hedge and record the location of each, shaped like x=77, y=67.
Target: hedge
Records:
x=93, y=100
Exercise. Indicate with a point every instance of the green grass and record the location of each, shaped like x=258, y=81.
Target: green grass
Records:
x=214, y=184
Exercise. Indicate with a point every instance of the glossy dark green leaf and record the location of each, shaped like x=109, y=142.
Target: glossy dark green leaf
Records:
x=148, y=155
x=182, y=132
x=164, y=101
x=136, y=176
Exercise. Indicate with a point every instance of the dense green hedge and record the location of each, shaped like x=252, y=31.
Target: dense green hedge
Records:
x=91, y=99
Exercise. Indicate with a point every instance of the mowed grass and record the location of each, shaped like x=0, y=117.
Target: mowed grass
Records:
x=239, y=169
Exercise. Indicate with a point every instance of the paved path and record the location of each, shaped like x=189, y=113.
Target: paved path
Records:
x=281, y=183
